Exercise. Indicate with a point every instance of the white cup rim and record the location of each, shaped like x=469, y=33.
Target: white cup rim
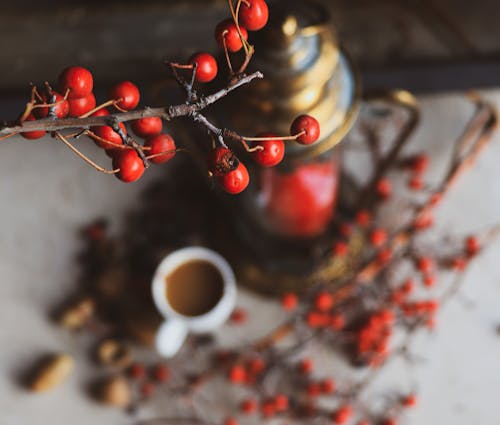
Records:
x=205, y=321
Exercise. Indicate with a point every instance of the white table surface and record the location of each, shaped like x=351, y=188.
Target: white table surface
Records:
x=46, y=194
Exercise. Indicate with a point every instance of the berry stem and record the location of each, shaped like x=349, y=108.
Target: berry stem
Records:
x=60, y=137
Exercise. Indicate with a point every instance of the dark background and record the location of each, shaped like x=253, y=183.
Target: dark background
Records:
x=421, y=45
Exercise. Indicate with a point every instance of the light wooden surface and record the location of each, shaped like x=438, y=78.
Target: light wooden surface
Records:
x=46, y=194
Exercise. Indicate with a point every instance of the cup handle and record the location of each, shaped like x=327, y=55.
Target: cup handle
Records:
x=170, y=337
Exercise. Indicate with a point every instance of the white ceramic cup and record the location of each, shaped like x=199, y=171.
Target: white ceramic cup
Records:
x=173, y=331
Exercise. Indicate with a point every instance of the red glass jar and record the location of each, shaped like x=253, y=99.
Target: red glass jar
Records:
x=300, y=201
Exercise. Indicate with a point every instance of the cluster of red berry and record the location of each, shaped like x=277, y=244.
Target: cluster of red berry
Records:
x=374, y=336
x=76, y=99
x=147, y=380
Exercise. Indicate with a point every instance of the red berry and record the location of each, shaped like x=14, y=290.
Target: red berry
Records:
x=78, y=80
x=420, y=163
x=137, y=371
x=268, y=409
x=315, y=319
x=256, y=365
x=107, y=133
x=235, y=181
x=237, y=374
x=238, y=316
x=390, y=421
x=323, y=301
x=363, y=218
x=161, y=373
x=147, y=127
x=429, y=280
x=416, y=183
x=248, y=406
x=127, y=93
x=425, y=264
x=472, y=245
x=289, y=301
x=81, y=105
x=343, y=414
x=253, y=14
x=130, y=165
x=308, y=125
x=327, y=386
x=306, y=366
x=206, y=69
x=337, y=322
x=281, y=402
x=364, y=422
x=158, y=144
x=273, y=152
x=227, y=31
x=221, y=161
x=61, y=109
x=384, y=188
x=378, y=237
x=410, y=400
x=147, y=389
x=340, y=249
x=32, y=135
x=313, y=389
x=384, y=256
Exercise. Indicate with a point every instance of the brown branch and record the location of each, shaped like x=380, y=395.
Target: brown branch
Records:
x=167, y=113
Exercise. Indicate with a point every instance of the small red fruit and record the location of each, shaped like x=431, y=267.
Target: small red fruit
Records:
x=378, y=237
x=206, y=69
x=81, y=105
x=472, y=245
x=130, y=165
x=308, y=125
x=384, y=188
x=248, y=406
x=253, y=14
x=147, y=127
x=340, y=249
x=221, y=161
x=237, y=374
x=273, y=152
x=227, y=31
x=158, y=144
x=61, y=109
x=410, y=400
x=32, y=135
x=327, y=386
x=235, y=181
x=107, y=133
x=343, y=414
x=238, y=316
x=306, y=366
x=137, y=371
x=161, y=373
x=323, y=301
x=289, y=301
x=127, y=93
x=78, y=80
x=363, y=218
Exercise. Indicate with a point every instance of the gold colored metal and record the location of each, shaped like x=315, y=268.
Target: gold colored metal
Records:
x=305, y=72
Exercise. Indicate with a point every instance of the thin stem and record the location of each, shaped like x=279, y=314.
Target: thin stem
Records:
x=60, y=137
